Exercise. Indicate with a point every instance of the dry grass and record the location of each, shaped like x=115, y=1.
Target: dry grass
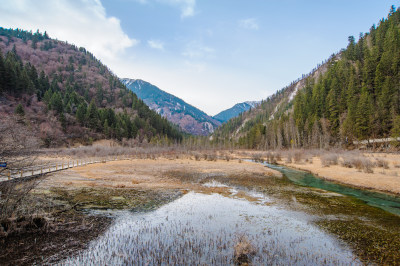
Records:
x=243, y=251
x=146, y=173
x=377, y=171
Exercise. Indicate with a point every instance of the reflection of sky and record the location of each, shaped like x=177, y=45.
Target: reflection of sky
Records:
x=200, y=228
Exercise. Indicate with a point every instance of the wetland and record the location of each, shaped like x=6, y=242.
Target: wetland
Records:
x=190, y=211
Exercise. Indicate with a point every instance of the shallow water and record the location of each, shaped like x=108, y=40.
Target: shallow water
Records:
x=203, y=229
x=380, y=200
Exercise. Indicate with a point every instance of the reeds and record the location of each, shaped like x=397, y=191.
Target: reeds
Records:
x=200, y=229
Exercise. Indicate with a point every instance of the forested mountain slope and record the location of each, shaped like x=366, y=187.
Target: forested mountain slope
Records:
x=281, y=102
x=187, y=117
x=63, y=93
x=356, y=98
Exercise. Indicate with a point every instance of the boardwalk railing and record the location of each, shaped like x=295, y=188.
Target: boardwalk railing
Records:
x=35, y=170
x=371, y=141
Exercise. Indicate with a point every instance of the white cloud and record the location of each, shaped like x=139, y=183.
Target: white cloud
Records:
x=187, y=7
x=196, y=50
x=81, y=22
x=249, y=23
x=155, y=44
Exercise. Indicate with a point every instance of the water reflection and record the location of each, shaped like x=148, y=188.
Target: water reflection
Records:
x=203, y=229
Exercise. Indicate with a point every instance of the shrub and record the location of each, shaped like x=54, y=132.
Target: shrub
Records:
x=211, y=157
x=289, y=158
x=347, y=162
x=298, y=156
x=329, y=159
x=363, y=164
x=382, y=163
x=257, y=158
x=271, y=157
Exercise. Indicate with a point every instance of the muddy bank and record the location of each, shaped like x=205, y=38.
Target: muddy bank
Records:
x=61, y=237
x=64, y=221
x=67, y=223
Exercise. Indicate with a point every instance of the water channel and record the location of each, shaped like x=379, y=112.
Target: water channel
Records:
x=303, y=178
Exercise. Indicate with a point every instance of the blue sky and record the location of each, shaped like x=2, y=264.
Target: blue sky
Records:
x=211, y=54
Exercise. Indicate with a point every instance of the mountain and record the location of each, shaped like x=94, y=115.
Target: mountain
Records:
x=187, y=117
x=354, y=95
x=235, y=111
x=63, y=94
x=238, y=128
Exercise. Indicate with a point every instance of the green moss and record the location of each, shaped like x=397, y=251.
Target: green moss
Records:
x=109, y=198
x=372, y=243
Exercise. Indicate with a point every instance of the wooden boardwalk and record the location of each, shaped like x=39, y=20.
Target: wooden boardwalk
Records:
x=36, y=170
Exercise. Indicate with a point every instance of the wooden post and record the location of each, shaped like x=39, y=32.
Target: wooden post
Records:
x=56, y=166
x=62, y=165
x=32, y=171
x=41, y=170
x=9, y=174
x=21, y=172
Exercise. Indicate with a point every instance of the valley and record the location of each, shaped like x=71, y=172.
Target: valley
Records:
x=104, y=168
x=105, y=199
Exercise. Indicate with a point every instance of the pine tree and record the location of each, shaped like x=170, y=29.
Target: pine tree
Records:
x=19, y=110
x=56, y=103
x=395, y=132
x=92, y=116
x=81, y=113
x=363, y=124
x=63, y=121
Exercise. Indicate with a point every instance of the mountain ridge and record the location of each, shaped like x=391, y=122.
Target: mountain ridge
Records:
x=235, y=110
x=189, y=118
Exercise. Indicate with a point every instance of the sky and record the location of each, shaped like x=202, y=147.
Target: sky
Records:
x=210, y=53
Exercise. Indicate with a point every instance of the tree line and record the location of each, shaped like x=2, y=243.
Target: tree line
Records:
x=357, y=98
x=73, y=104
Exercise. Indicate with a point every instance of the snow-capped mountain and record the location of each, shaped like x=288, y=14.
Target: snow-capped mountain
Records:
x=187, y=117
x=235, y=110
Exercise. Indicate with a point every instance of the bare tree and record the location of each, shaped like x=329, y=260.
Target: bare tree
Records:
x=17, y=147
x=17, y=144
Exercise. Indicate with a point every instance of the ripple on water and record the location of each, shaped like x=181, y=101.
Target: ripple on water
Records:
x=203, y=229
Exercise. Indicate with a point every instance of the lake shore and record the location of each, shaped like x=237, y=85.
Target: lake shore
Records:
x=386, y=180
x=378, y=172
